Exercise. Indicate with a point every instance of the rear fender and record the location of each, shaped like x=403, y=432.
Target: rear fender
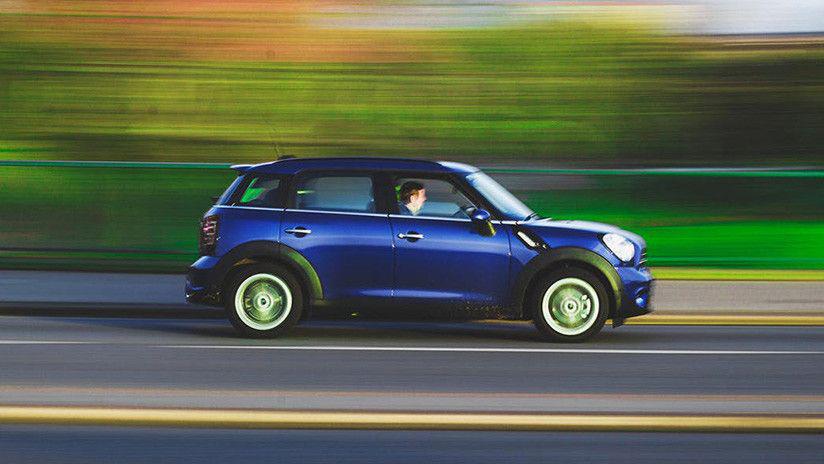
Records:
x=265, y=251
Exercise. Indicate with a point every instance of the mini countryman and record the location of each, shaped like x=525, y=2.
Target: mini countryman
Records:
x=404, y=234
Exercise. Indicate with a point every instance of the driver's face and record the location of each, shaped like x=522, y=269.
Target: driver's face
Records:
x=417, y=200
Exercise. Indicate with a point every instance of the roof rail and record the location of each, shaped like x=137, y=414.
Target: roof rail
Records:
x=241, y=168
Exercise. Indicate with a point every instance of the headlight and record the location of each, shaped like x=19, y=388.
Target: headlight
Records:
x=623, y=248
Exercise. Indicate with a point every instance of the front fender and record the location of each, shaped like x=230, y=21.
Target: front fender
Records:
x=556, y=257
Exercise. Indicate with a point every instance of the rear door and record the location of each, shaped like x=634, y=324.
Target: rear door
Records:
x=337, y=223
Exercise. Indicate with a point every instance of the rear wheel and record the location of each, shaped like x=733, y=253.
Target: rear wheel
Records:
x=263, y=300
x=569, y=305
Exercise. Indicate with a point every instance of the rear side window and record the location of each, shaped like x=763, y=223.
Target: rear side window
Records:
x=265, y=191
x=336, y=193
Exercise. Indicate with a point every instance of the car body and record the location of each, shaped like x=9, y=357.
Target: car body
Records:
x=299, y=233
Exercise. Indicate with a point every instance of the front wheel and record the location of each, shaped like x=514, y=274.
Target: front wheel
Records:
x=263, y=300
x=569, y=305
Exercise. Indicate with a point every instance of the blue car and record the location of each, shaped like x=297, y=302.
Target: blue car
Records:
x=411, y=235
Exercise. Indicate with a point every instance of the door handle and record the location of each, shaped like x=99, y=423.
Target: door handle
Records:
x=299, y=231
x=411, y=235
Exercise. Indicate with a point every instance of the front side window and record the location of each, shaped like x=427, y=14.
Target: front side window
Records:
x=260, y=191
x=431, y=197
x=353, y=194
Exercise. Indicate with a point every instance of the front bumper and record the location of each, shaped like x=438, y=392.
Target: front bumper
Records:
x=636, y=296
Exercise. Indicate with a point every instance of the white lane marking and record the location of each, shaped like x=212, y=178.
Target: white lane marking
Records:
x=436, y=349
x=44, y=342
x=478, y=350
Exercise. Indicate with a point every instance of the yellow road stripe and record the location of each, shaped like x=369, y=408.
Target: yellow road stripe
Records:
x=727, y=319
x=417, y=421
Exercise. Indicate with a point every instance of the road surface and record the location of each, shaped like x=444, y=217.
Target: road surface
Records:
x=84, y=445
x=678, y=373
x=410, y=366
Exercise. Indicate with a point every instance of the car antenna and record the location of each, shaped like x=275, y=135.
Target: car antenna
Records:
x=273, y=136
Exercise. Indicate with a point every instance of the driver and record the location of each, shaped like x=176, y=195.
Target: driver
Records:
x=412, y=196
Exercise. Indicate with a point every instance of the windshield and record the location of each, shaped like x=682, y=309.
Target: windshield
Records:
x=500, y=197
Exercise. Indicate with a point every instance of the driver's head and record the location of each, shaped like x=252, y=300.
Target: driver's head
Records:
x=413, y=195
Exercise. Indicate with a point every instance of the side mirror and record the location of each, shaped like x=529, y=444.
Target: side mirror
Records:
x=480, y=218
x=215, y=199
x=479, y=215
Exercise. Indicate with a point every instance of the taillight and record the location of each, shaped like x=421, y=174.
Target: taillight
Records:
x=208, y=235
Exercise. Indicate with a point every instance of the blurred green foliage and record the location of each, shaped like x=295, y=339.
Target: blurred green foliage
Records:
x=209, y=81
x=571, y=93
x=706, y=221
x=110, y=218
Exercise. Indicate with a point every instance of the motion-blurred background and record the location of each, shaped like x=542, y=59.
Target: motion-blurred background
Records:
x=697, y=124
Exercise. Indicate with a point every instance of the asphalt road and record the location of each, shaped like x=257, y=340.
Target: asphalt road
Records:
x=410, y=366
x=83, y=445
x=63, y=359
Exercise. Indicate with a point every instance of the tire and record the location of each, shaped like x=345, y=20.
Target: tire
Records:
x=569, y=305
x=263, y=300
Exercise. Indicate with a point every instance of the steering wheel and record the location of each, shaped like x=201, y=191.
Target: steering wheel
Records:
x=464, y=212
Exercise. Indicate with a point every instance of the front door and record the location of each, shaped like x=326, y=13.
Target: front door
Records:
x=439, y=252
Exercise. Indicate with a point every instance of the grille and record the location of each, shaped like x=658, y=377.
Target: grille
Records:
x=642, y=261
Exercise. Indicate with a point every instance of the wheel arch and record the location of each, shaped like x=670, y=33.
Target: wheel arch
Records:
x=559, y=258
x=274, y=253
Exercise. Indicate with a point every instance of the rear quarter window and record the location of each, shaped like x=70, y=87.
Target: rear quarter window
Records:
x=259, y=190
x=227, y=194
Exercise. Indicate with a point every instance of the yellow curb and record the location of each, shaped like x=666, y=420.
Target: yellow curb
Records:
x=709, y=319
x=214, y=418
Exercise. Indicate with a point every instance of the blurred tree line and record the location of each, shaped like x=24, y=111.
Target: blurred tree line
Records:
x=173, y=80
x=576, y=92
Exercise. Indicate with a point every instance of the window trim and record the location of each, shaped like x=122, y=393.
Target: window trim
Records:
x=429, y=218
x=253, y=208
x=295, y=180
x=345, y=213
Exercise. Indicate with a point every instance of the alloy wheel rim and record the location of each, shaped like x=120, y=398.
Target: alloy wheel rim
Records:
x=570, y=306
x=263, y=301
